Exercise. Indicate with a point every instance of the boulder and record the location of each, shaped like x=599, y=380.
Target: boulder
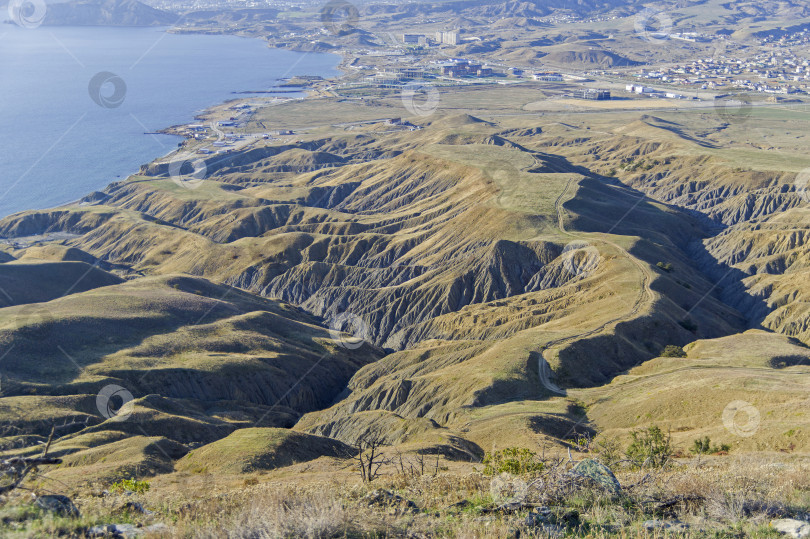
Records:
x=394, y=503
x=599, y=474
x=674, y=525
x=57, y=504
x=135, y=507
x=792, y=527
x=124, y=531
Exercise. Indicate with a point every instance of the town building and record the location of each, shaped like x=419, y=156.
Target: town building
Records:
x=592, y=93
x=447, y=38
x=548, y=77
x=413, y=39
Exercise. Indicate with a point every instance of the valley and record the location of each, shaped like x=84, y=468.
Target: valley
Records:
x=463, y=242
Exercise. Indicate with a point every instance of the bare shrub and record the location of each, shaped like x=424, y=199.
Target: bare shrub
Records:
x=438, y=490
x=608, y=450
x=740, y=498
x=415, y=465
x=370, y=457
x=291, y=515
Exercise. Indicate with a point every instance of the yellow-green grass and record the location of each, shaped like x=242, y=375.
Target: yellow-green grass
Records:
x=697, y=396
x=253, y=449
x=520, y=190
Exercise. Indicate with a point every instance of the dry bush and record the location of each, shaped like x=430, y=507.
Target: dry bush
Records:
x=750, y=489
x=713, y=493
x=437, y=491
x=747, y=494
x=556, y=483
x=790, y=484
x=285, y=514
x=690, y=483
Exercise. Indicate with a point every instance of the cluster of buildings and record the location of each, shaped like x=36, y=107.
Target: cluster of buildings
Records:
x=439, y=38
x=392, y=77
x=767, y=69
x=652, y=92
x=801, y=37
x=459, y=67
x=396, y=76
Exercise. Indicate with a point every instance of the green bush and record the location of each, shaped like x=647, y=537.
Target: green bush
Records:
x=672, y=350
x=514, y=460
x=666, y=266
x=608, y=451
x=650, y=447
x=130, y=485
x=703, y=446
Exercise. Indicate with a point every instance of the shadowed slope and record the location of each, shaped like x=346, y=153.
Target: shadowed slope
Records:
x=200, y=359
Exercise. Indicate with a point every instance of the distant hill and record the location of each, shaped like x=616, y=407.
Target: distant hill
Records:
x=107, y=13
x=588, y=57
x=498, y=9
x=234, y=16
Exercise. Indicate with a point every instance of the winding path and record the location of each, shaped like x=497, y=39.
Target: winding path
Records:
x=645, y=295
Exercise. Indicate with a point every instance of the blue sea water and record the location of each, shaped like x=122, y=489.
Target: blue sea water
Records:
x=57, y=144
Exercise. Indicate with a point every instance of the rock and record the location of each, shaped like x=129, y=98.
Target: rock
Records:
x=538, y=517
x=135, y=507
x=550, y=530
x=157, y=528
x=463, y=504
x=600, y=474
x=568, y=518
x=665, y=525
x=792, y=527
x=544, y=518
x=511, y=507
x=115, y=530
x=653, y=524
x=58, y=504
x=396, y=504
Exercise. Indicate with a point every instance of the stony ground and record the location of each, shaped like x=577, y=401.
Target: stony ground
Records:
x=747, y=495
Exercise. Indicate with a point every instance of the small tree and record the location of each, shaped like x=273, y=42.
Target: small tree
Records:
x=651, y=447
x=370, y=457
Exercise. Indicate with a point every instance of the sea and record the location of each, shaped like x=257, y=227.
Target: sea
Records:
x=77, y=103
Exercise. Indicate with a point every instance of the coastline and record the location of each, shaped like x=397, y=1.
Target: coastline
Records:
x=202, y=115
x=275, y=92
x=207, y=113
x=172, y=131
